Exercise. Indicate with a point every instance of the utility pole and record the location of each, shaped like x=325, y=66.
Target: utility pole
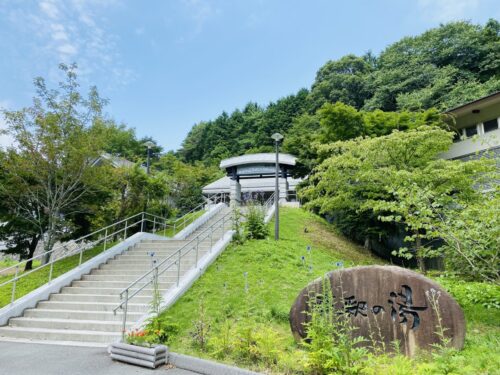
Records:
x=277, y=138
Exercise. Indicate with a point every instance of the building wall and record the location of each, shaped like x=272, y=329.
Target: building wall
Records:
x=471, y=146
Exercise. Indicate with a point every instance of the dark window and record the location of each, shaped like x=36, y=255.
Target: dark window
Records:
x=490, y=125
x=471, y=131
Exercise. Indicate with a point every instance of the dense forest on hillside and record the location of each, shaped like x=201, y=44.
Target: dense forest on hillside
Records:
x=441, y=68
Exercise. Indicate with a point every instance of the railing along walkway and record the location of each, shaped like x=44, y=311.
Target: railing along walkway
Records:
x=113, y=233
x=175, y=259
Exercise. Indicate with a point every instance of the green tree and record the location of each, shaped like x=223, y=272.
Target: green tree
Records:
x=300, y=141
x=50, y=170
x=339, y=122
x=396, y=178
x=343, y=80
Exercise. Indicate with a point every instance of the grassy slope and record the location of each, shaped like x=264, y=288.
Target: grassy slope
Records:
x=275, y=276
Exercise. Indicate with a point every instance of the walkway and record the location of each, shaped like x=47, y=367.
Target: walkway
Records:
x=36, y=359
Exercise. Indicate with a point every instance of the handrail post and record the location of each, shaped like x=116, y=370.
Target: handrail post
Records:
x=211, y=236
x=197, y=247
x=125, y=232
x=52, y=267
x=124, y=324
x=165, y=228
x=13, y=296
x=105, y=239
x=154, y=224
x=81, y=256
x=142, y=223
x=174, y=228
x=179, y=268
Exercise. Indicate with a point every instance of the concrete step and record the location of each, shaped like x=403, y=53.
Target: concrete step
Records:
x=111, y=271
x=160, y=254
x=59, y=334
x=83, y=312
x=132, y=274
x=107, y=316
x=73, y=324
x=127, y=267
x=103, y=291
x=89, y=306
x=96, y=298
x=113, y=284
x=129, y=278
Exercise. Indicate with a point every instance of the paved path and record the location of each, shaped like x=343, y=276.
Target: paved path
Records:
x=37, y=359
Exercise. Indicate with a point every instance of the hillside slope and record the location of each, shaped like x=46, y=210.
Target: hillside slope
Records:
x=221, y=319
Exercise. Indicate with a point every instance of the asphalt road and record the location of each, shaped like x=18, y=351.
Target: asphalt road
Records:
x=41, y=359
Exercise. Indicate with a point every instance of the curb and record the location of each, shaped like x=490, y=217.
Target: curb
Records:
x=205, y=367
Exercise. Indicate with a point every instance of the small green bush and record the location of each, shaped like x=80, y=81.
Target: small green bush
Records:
x=468, y=294
x=331, y=346
x=255, y=226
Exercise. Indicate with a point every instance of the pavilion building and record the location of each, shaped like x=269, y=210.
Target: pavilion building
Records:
x=252, y=177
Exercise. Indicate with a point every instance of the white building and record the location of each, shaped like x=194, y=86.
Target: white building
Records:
x=477, y=123
x=252, y=176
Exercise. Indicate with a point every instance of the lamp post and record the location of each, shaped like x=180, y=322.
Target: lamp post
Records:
x=149, y=145
x=277, y=138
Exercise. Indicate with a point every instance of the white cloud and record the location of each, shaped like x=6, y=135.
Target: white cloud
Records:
x=448, y=10
x=49, y=8
x=73, y=31
x=200, y=12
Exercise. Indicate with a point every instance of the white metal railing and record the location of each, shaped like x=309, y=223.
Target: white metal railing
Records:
x=269, y=203
x=115, y=232
x=174, y=259
x=218, y=198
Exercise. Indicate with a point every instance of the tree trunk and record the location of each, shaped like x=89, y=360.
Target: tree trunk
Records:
x=420, y=258
x=367, y=243
x=31, y=250
x=48, y=242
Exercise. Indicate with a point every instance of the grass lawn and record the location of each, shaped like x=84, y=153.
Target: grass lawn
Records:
x=41, y=276
x=218, y=319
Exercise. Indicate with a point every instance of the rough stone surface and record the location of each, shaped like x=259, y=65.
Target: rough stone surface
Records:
x=390, y=303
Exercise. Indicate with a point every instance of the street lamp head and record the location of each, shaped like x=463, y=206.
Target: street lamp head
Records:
x=277, y=137
x=149, y=144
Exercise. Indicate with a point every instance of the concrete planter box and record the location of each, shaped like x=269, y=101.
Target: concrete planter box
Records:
x=139, y=355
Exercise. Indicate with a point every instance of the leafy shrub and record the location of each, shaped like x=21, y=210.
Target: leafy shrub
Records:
x=473, y=293
x=238, y=236
x=247, y=342
x=221, y=343
x=150, y=336
x=255, y=226
x=164, y=328
x=278, y=315
x=201, y=328
x=331, y=347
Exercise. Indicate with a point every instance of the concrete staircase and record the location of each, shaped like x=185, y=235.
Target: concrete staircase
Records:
x=83, y=311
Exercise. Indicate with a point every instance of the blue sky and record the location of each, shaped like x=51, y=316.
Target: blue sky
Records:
x=168, y=64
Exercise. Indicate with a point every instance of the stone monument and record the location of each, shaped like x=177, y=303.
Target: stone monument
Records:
x=389, y=303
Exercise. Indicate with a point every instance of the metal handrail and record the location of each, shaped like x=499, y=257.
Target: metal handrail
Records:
x=145, y=217
x=270, y=201
x=24, y=261
x=171, y=255
x=188, y=218
x=156, y=269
